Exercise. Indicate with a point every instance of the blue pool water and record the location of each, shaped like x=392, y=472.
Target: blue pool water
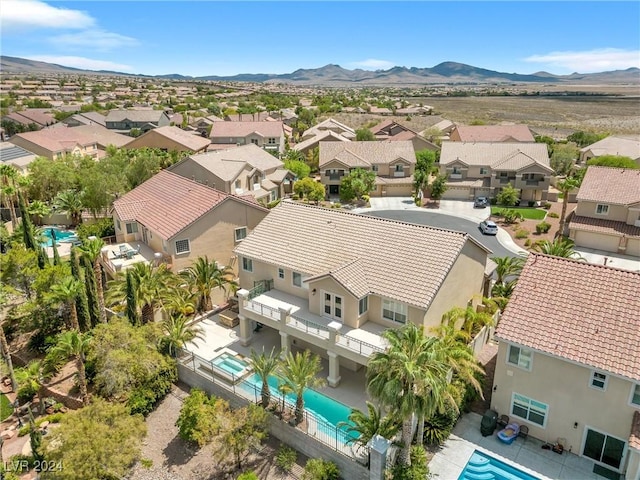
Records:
x=484, y=467
x=230, y=364
x=61, y=235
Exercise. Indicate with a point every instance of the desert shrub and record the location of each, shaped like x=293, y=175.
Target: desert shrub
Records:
x=546, y=205
x=543, y=227
x=553, y=215
x=26, y=393
x=146, y=462
x=366, y=198
x=438, y=427
x=247, y=476
x=295, y=197
x=144, y=398
x=511, y=216
x=200, y=417
x=531, y=203
x=527, y=243
x=418, y=469
x=319, y=469
x=102, y=228
x=275, y=203
x=286, y=458
x=522, y=233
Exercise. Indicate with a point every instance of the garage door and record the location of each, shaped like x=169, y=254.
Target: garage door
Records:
x=456, y=194
x=608, y=243
x=633, y=247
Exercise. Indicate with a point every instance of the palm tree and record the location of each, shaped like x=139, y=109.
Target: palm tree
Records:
x=180, y=301
x=91, y=250
x=203, y=276
x=179, y=332
x=566, y=186
x=472, y=320
x=4, y=345
x=300, y=371
x=38, y=209
x=32, y=378
x=503, y=290
x=8, y=174
x=560, y=247
x=66, y=292
x=507, y=267
x=264, y=366
x=365, y=427
x=74, y=345
x=70, y=203
x=409, y=378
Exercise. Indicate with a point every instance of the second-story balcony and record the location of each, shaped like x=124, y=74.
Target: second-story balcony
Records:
x=288, y=313
x=119, y=257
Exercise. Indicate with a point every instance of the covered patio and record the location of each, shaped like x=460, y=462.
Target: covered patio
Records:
x=119, y=257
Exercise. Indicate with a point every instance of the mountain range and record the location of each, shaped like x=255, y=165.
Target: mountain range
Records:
x=443, y=73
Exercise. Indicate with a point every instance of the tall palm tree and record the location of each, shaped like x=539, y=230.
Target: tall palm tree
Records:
x=4, y=345
x=179, y=332
x=66, y=292
x=503, y=290
x=566, y=186
x=38, y=209
x=409, y=378
x=180, y=301
x=32, y=377
x=91, y=250
x=299, y=372
x=8, y=174
x=362, y=427
x=69, y=202
x=74, y=345
x=467, y=319
x=560, y=247
x=204, y=275
x=264, y=366
x=507, y=267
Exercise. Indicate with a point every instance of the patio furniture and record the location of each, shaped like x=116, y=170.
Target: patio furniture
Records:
x=488, y=423
x=524, y=431
x=503, y=421
x=509, y=433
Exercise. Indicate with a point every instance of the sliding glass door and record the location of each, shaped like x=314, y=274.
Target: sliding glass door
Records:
x=604, y=448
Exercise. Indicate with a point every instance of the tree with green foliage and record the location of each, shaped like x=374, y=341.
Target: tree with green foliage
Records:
x=243, y=430
x=438, y=187
x=178, y=332
x=365, y=426
x=35, y=440
x=19, y=268
x=67, y=292
x=563, y=158
x=201, y=417
x=27, y=226
x=5, y=292
x=72, y=345
x=299, y=372
x=91, y=289
x=560, y=247
x=38, y=209
x=8, y=190
x=69, y=202
x=508, y=267
x=264, y=366
x=313, y=159
x=356, y=184
x=91, y=249
x=100, y=441
x=309, y=189
x=365, y=135
x=50, y=177
x=508, y=196
x=299, y=167
x=82, y=304
x=582, y=139
x=320, y=469
x=616, y=161
x=417, y=469
x=30, y=380
x=566, y=186
x=132, y=305
x=205, y=275
x=425, y=159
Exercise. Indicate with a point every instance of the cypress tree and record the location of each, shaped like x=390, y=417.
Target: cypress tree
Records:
x=132, y=304
x=27, y=225
x=92, y=290
x=43, y=260
x=82, y=304
x=56, y=255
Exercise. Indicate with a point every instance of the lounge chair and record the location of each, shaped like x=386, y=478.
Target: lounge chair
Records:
x=503, y=421
x=509, y=433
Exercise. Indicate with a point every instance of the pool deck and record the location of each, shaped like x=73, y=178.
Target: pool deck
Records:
x=524, y=454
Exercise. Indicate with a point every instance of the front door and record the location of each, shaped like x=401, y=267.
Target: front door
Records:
x=604, y=448
x=333, y=306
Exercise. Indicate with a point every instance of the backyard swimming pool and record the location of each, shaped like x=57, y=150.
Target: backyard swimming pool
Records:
x=61, y=235
x=235, y=367
x=484, y=467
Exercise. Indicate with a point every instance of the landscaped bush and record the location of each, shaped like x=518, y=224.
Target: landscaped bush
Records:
x=275, y=203
x=553, y=215
x=438, y=427
x=286, y=458
x=248, y=476
x=527, y=243
x=102, y=228
x=522, y=233
x=319, y=469
x=531, y=203
x=546, y=205
x=543, y=227
x=511, y=216
x=199, y=419
x=144, y=398
x=418, y=469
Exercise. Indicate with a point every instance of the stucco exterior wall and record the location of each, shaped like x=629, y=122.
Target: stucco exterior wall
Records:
x=618, y=213
x=154, y=140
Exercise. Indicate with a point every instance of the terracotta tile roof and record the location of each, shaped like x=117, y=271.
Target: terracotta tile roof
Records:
x=347, y=246
x=242, y=129
x=102, y=135
x=227, y=164
x=314, y=140
x=495, y=133
x=514, y=155
x=634, y=437
x=333, y=125
x=32, y=115
x=625, y=147
x=168, y=203
x=610, y=185
x=189, y=141
x=581, y=312
x=600, y=225
x=54, y=139
x=369, y=152
x=394, y=180
x=151, y=116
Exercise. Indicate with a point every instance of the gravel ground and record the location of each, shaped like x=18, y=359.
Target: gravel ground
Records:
x=173, y=459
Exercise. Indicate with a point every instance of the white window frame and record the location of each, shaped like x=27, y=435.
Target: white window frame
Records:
x=247, y=264
x=602, y=209
x=398, y=308
x=295, y=275
x=596, y=376
x=118, y=225
x=520, y=364
x=272, y=141
x=530, y=400
x=185, y=251
x=134, y=227
x=281, y=273
x=235, y=234
x=606, y=434
x=364, y=301
x=484, y=170
x=634, y=387
x=398, y=167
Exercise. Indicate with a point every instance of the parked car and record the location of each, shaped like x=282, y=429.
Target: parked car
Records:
x=488, y=227
x=481, y=202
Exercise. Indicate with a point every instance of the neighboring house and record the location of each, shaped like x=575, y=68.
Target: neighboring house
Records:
x=203, y=124
x=267, y=135
x=393, y=131
x=103, y=136
x=568, y=363
x=619, y=146
x=607, y=216
x=18, y=157
x=491, y=133
x=86, y=118
x=483, y=169
x=330, y=281
x=247, y=117
x=314, y=142
x=288, y=116
x=57, y=142
x=415, y=110
x=393, y=163
x=31, y=116
x=242, y=171
x=180, y=220
x=170, y=139
x=125, y=120
x=329, y=125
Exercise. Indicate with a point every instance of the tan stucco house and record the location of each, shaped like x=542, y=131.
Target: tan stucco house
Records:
x=613, y=145
x=393, y=163
x=607, y=216
x=491, y=133
x=266, y=135
x=568, y=363
x=394, y=131
x=331, y=281
x=246, y=170
x=56, y=142
x=180, y=220
x=483, y=169
x=125, y=120
x=169, y=138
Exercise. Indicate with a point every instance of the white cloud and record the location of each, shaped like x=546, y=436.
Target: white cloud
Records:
x=598, y=60
x=373, y=63
x=99, y=40
x=80, y=62
x=25, y=14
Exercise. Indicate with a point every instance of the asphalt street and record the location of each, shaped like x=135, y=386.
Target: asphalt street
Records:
x=448, y=222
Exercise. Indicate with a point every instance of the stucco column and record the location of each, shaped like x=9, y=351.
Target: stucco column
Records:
x=285, y=344
x=334, y=369
x=378, y=447
x=246, y=332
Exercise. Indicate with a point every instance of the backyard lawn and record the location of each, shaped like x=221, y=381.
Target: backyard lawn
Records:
x=6, y=409
x=531, y=213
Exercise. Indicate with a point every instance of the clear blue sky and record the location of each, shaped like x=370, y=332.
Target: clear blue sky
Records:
x=226, y=38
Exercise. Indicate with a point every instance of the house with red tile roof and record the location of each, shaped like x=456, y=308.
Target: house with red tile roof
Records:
x=568, y=362
x=267, y=135
x=394, y=131
x=180, y=220
x=56, y=142
x=491, y=133
x=170, y=138
x=30, y=117
x=607, y=216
